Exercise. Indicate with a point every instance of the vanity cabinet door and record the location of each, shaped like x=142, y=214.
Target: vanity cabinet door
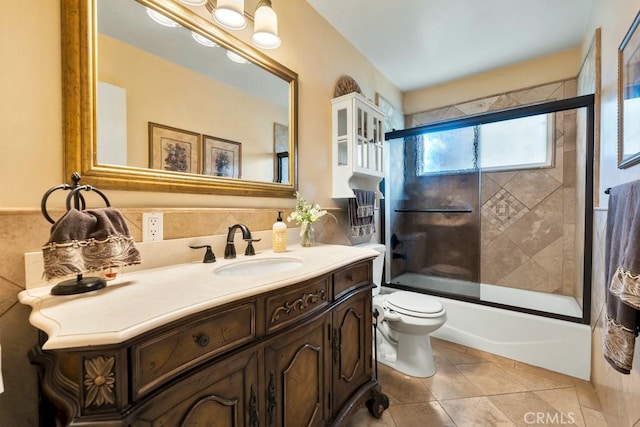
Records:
x=352, y=346
x=297, y=376
x=222, y=394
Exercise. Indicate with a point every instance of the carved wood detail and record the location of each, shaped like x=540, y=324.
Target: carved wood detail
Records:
x=61, y=391
x=300, y=304
x=291, y=378
x=206, y=409
x=253, y=408
x=350, y=316
x=99, y=381
x=272, y=401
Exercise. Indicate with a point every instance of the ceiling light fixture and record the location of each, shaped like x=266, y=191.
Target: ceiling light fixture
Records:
x=202, y=40
x=265, y=27
x=194, y=2
x=230, y=14
x=161, y=19
x=236, y=58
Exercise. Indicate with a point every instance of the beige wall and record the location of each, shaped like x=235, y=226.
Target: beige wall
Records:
x=539, y=71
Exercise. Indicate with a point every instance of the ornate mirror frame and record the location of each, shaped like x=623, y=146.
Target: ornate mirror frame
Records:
x=79, y=78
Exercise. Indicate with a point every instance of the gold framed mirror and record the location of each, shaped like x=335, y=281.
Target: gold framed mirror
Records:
x=108, y=112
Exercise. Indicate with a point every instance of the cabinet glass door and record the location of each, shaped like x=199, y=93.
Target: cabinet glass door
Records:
x=343, y=137
x=378, y=135
x=361, y=137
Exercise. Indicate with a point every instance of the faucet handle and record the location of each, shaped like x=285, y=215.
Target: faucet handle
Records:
x=209, y=256
x=250, y=251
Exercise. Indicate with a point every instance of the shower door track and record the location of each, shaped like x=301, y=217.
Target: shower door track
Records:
x=436, y=210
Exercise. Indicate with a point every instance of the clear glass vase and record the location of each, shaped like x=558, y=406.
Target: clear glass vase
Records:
x=308, y=236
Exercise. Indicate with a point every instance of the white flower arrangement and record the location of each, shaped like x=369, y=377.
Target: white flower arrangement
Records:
x=306, y=213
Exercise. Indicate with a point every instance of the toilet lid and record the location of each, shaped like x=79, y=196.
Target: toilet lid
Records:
x=414, y=304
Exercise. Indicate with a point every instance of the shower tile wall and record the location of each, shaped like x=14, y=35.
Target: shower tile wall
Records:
x=26, y=231
x=528, y=216
x=439, y=244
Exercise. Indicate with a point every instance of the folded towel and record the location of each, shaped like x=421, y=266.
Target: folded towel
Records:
x=622, y=274
x=361, y=210
x=88, y=240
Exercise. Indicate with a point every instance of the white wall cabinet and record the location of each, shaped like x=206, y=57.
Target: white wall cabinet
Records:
x=357, y=145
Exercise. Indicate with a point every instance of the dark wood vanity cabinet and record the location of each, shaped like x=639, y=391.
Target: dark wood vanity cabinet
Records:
x=297, y=375
x=297, y=356
x=225, y=393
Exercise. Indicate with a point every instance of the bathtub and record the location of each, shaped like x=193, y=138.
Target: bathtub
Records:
x=553, y=344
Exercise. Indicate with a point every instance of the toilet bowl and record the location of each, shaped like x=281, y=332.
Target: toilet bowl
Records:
x=405, y=320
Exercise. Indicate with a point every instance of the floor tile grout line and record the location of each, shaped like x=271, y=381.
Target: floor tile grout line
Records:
x=557, y=384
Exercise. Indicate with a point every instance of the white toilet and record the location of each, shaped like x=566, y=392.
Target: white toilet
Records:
x=404, y=323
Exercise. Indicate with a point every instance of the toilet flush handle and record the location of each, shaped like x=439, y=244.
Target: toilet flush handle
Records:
x=391, y=315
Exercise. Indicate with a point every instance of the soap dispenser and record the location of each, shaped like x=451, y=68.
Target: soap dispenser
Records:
x=279, y=234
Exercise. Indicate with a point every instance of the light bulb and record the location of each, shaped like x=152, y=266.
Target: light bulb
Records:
x=194, y=2
x=236, y=58
x=202, y=40
x=230, y=14
x=161, y=19
x=265, y=33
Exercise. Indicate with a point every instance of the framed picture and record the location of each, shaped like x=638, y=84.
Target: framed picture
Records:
x=222, y=157
x=629, y=97
x=174, y=150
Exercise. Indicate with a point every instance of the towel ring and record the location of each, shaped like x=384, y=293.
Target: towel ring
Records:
x=79, y=284
x=78, y=199
x=75, y=194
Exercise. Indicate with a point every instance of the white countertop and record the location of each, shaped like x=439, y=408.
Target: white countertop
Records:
x=140, y=301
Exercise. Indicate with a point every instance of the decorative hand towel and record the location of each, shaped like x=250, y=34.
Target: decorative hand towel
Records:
x=88, y=240
x=622, y=274
x=361, y=213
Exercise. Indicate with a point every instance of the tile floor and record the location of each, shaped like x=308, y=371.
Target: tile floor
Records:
x=472, y=388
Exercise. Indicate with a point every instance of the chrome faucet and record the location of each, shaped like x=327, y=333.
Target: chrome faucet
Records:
x=230, y=249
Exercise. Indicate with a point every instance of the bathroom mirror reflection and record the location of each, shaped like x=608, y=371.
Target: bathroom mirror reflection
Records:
x=173, y=111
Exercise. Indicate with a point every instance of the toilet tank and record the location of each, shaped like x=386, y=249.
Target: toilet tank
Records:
x=378, y=263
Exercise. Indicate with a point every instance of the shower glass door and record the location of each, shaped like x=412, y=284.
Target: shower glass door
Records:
x=495, y=208
x=432, y=212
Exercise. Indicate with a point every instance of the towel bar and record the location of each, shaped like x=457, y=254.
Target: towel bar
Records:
x=437, y=210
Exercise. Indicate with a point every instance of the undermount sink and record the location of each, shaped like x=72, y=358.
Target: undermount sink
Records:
x=257, y=267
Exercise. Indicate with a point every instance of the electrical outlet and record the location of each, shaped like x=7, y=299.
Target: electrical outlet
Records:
x=152, y=227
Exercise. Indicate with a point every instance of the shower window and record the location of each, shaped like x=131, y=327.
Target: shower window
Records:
x=449, y=151
x=526, y=142
x=521, y=143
